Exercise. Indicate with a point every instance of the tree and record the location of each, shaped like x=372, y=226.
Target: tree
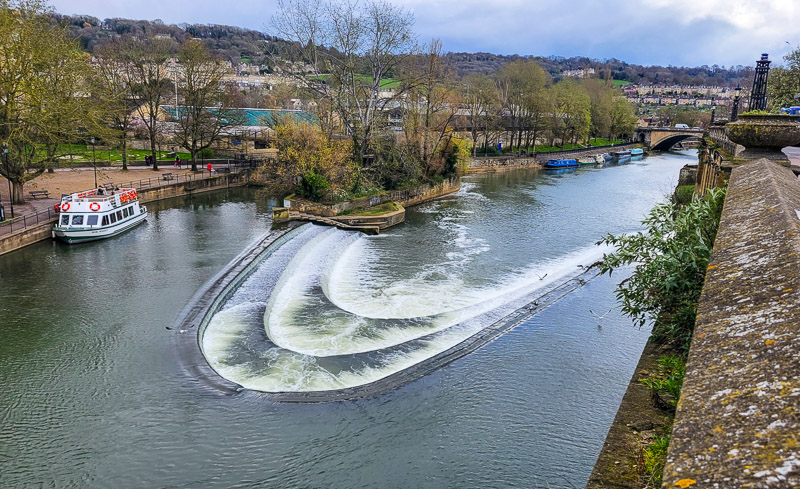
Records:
x=146, y=62
x=623, y=119
x=480, y=100
x=522, y=85
x=572, y=111
x=347, y=51
x=671, y=259
x=207, y=109
x=115, y=102
x=430, y=106
x=42, y=76
x=601, y=97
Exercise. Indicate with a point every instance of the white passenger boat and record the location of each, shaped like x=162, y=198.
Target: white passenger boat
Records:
x=97, y=214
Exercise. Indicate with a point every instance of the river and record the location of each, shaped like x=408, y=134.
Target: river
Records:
x=94, y=394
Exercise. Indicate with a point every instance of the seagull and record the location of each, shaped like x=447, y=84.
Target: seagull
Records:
x=541, y=277
x=600, y=317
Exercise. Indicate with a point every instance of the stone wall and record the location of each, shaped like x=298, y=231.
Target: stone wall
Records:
x=25, y=237
x=407, y=197
x=506, y=163
x=738, y=419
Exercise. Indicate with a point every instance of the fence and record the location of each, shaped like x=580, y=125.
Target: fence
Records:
x=232, y=166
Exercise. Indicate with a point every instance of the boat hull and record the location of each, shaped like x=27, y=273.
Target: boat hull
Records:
x=86, y=235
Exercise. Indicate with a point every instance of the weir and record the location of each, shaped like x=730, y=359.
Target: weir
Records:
x=215, y=296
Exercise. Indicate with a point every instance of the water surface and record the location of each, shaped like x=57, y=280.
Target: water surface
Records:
x=95, y=396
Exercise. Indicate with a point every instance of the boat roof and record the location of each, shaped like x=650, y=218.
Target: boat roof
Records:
x=92, y=195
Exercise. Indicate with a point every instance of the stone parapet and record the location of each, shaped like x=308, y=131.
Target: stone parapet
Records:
x=738, y=419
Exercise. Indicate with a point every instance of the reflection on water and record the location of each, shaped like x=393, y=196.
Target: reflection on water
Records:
x=94, y=395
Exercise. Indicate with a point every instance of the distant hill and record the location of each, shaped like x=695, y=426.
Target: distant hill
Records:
x=465, y=63
x=241, y=45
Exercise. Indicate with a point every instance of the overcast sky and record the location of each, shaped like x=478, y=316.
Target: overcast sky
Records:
x=666, y=32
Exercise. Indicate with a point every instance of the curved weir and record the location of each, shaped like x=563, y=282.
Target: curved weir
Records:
x=317, y=313
x=274, y=328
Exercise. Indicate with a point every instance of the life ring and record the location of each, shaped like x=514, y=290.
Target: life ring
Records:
x=94, y=207
x=133, y=194
x=65, y=207
x=123, y=198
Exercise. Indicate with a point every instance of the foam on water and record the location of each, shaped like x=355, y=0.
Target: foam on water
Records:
x=323, y=309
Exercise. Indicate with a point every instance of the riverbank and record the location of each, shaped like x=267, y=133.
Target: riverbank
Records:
x=621, y=463
x=356, y=213
x=155, y=189
x=509, y=163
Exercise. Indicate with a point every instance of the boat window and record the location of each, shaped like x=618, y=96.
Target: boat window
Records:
x=64, y=220
x=91, y=220
x=126, y=211
x=113, y=218
x=77, y=220
x=105, y=220
x=119, y=215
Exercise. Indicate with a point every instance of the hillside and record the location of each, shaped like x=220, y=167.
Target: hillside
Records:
x=241, y=45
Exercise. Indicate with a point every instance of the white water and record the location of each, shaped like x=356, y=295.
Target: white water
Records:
x=332, y=309
x=328, y=303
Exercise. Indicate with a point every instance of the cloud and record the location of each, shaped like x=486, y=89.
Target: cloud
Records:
x=676, y=32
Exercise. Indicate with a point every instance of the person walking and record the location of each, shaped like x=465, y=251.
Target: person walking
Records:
x=177, y=161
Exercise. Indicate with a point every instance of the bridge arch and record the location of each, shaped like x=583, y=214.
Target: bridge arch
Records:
x=666, y=143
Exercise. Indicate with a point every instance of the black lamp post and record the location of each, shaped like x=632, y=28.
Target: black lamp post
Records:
x=2, y=209
x=94, y=162
x=10, y=194
x=737, y=92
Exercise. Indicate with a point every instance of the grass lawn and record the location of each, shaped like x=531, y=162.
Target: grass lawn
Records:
x=82, y=153
x=374, y=210
x=619, y=83
x=385, y=82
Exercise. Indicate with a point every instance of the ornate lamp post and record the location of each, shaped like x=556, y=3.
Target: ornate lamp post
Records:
x=737, y=92
x=94, y=162
x=10, y=194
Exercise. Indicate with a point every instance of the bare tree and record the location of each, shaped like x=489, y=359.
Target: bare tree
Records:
x=348, y=50
x=430, y=107
x=480, y=101
x=115, y=102
x=207, y=108
x=146, y=61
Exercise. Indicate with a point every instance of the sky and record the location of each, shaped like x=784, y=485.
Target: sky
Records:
x=648, y=32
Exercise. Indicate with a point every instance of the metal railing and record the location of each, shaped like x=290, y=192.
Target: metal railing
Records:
x=22, y=222
x=49, y=214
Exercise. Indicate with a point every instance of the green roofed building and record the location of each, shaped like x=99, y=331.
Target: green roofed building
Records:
x=259, y=117
x=248, y=137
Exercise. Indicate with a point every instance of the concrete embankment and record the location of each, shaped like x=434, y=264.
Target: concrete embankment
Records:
x=42, y=231
x=508, y=163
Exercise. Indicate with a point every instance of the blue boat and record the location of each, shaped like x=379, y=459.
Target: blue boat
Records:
x=560, y=163
x=637, y=152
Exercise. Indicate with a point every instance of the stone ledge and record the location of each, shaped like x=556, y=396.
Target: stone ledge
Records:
x=737, y=423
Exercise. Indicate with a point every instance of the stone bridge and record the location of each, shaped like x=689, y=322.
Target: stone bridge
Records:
x=663, y=138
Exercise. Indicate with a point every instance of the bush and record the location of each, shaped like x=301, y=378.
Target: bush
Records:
x=206, y=153
x=683, y=195
x=666, y=384
x=313, y=185
x=671, y=260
